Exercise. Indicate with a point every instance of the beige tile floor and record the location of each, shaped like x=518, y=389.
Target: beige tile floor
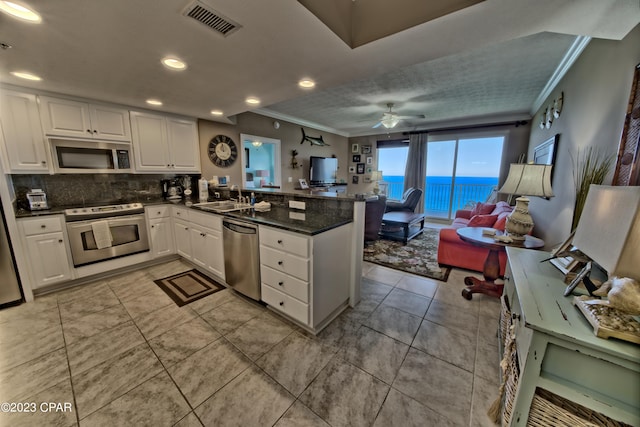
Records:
x=120, y=352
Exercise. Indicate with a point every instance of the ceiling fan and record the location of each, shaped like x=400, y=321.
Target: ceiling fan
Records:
x=390, y=119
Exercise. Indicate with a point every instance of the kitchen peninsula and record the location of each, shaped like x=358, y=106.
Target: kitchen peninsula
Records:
x=310, y=259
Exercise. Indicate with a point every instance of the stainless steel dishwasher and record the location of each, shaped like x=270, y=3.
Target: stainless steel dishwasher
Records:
x=242, y=257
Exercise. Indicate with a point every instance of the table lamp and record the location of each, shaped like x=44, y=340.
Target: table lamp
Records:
x=609, y=229
x=263, y=174
x=525, y=180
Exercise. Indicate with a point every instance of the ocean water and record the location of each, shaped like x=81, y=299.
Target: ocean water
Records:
x=438, y=191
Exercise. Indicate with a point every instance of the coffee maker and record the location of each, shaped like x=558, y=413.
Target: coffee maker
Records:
x=171, y=189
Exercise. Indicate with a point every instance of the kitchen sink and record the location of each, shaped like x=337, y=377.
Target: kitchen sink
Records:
x=222, y=206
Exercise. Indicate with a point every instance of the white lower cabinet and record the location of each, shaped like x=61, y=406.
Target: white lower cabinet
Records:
x=160, y=230
x=46, y=250
x=206, y=242
x=305, y=277
x=206, y=249
x=198, y=238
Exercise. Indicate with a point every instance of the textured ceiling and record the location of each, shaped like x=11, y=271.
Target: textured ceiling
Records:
x=491, y=82
x=487, y=59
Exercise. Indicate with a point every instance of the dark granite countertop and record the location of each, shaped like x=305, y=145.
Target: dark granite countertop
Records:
x=303, y=222
x=310, y=223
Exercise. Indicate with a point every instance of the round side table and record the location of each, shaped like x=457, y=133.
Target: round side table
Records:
x=491, y=268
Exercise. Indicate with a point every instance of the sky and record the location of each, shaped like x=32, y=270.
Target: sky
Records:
x=478, y=157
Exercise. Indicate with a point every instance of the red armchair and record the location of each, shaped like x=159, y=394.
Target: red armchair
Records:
x=452, y=251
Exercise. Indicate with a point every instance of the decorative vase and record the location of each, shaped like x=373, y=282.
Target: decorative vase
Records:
x=519, y=222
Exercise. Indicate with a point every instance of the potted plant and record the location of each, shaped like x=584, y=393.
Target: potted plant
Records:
x=590, y=167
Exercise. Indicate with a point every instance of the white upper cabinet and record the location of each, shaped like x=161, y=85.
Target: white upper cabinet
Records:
x=164, y=144
x=24, y=143
x=69, y=118
x=183, y=144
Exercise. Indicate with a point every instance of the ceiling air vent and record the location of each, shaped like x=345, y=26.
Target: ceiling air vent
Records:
x=211, y=18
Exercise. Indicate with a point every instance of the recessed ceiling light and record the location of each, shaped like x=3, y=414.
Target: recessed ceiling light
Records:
x=252, y=100
x=174, y=63
x=19, y=11
x=306, y=83
x=216, y=112
x=154, y=102
x=26, y=76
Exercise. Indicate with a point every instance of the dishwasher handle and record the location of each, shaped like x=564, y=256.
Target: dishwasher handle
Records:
x=239, y=228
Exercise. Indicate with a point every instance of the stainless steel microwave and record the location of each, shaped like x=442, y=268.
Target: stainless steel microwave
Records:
x=90, y=157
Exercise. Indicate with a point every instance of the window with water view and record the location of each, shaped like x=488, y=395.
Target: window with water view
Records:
x=459, y=171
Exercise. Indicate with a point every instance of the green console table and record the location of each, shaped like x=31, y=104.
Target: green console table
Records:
x=557, y=350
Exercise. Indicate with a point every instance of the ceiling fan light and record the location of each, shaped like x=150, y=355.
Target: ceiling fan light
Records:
x=390, y=122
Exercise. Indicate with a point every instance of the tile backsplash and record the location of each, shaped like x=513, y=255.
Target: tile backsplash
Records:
x=90, y=189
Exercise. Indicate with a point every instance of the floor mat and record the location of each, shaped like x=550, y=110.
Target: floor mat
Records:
x=188, y=286
x=419, y=256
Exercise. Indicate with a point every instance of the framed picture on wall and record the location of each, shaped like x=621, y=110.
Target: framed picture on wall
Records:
x=360, y=168
x=369, y=160
x=366, y=149
x=352, y=169
x=355, y=158
x=355, y=179
x=355, y=148
x=246, y=158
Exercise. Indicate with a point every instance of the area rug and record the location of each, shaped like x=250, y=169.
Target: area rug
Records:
x=187, y=287
x=419, y=256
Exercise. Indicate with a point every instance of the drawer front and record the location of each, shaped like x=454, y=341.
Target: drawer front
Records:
x=179, y=212
x=208, y=220
x=285, y=262
x=288, y=242
x=41, y=225
x=158, y=211
x=286, y=284
x=285, y=304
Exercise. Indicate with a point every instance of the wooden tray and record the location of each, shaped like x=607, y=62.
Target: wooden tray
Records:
x=602, y=331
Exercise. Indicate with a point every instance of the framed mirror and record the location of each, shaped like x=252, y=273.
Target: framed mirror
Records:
x=545, y=153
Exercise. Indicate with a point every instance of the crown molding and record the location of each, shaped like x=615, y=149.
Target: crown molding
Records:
x=574, y=51
x=298, y=121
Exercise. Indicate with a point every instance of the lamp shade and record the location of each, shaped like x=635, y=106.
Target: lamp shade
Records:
x=528, y=180
x=609, y=229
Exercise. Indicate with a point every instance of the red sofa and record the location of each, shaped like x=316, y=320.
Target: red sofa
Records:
x=452, y=251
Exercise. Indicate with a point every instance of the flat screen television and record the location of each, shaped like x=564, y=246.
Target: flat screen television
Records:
x=323, y=170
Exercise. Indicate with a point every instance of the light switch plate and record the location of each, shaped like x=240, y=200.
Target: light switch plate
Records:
x=297, y=205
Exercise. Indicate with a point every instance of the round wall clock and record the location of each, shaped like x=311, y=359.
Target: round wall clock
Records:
x=222, y=151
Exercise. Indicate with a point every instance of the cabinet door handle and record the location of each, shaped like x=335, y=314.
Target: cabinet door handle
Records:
x=279, y=241
x=515, y=316
x=280, y=283
x=158, y=212
x=89, y=130
x=281, y=303
x=280, y=262
x=95, y=131
x=60, y=240
x=43, y=162
x=43, y=226
x=152, y=226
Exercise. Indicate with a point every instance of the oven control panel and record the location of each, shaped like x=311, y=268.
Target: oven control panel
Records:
x=79, y=214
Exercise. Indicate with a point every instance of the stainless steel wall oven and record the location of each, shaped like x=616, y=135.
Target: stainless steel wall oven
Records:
x=106, y=232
